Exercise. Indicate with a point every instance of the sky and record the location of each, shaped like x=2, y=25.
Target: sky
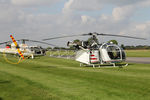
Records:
x=40, y=19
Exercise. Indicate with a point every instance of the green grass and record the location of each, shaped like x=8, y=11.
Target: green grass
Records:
x=61, y=53
x=138, y=53
x=59, y=79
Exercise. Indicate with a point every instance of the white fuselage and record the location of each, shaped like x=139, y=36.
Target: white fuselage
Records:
x=26, y=50
x=101, y=55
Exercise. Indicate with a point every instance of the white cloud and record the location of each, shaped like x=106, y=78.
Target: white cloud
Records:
x=82, y=5
x=138, y=29
x=141, y=27
x=13, y=18
x=87, y=19
x=123, y=13
x=84, y=19
x=67, y=6
x=93, y=5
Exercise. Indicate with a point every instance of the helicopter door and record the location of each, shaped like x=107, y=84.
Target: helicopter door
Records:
x=104, y=55
x=83, y=56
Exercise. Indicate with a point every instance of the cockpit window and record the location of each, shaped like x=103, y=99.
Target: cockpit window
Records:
x=114, y=52
x=104, y=46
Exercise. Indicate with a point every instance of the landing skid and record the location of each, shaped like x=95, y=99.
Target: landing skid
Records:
x=104, y=65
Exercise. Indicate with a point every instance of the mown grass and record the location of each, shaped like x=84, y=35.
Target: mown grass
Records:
x=59, y=79
x=61, y=53
x=138, y=53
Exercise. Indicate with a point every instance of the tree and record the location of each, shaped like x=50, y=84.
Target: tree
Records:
x=77, y=41
x=113, y=41
x=48, y=48
x=123, y=47
x=56, y=48
x=92, y=39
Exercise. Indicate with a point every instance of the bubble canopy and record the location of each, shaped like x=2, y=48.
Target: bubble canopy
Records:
x=114, y=51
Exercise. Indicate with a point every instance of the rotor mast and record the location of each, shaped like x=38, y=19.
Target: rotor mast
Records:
x=94, y=37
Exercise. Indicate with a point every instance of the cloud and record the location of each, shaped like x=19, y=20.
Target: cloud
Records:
x=2, y=2
x=33, y=2
x=123, y=9
x=94, y=5
x=123, y=13
x=14, y=18
x=87, y=19
x=144, y=3
x=82, y=5
x=126, y=12
x=139, y=29
x=121, y=2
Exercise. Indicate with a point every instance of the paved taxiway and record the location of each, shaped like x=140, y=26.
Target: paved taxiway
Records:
x=143, y=60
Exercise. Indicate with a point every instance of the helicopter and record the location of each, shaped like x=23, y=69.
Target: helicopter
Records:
x=27, y=51
x=94, y=53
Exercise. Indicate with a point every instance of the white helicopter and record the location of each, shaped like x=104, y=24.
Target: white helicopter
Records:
x=27, y=51
x=94, y=53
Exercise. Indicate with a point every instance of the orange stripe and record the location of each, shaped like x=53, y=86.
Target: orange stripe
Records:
x=16, y=46
x=14, y=40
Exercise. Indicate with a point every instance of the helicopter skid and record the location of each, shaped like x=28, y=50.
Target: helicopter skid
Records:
x=104, y=65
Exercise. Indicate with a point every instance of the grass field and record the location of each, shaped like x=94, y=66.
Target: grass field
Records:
x=59, y=79
x=138, y=53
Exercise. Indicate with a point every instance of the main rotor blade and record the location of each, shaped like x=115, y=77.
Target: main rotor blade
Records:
x=28, y=40
x=95, y=33
x=42, y=42
x=36, y=41
x=63, y=37
x=120, y=36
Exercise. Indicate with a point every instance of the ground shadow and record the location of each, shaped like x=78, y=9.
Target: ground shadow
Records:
x=45, y=67
x=3, y=82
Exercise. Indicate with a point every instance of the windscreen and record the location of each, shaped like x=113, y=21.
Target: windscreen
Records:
x=114, y=52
